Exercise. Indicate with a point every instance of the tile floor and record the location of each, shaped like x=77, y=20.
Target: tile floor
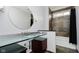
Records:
x=60, y=49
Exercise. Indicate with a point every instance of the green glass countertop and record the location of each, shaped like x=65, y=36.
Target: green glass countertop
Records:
x=11, y=39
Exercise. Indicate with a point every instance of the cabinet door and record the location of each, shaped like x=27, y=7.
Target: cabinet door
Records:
x=77, y=23
x=51, y=44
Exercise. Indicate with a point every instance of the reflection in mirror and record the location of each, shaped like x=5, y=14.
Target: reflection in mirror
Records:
x=20, y=17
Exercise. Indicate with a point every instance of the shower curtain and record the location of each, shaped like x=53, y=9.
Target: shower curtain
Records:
x=73, y=33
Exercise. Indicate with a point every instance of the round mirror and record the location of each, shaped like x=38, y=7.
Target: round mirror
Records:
x=20, y=17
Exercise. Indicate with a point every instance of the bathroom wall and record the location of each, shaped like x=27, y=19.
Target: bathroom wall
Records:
x=40, y=14
x=5, y=26
x=19, y=18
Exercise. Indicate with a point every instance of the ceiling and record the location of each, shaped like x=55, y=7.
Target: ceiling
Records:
x=53, y=8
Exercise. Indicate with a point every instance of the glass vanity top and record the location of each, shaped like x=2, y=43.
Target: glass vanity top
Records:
x=10, y=39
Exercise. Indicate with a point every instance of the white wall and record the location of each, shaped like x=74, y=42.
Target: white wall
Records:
x=5, y=26
x=19, y=18
x=40, y=13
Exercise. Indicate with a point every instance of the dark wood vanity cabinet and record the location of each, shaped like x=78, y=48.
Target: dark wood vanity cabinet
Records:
x=39, y=45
